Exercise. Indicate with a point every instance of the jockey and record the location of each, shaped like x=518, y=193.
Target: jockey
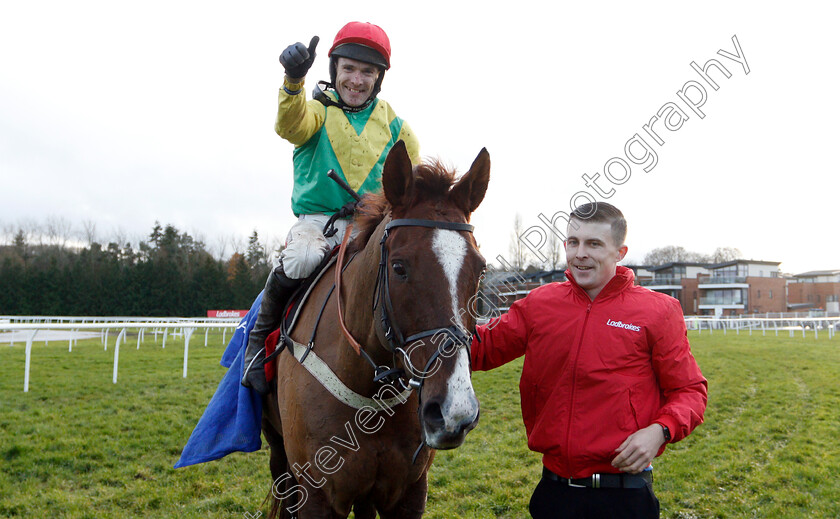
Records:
x=345, y=128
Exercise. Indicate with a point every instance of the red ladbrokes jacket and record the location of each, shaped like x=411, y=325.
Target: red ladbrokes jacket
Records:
x=596, y=371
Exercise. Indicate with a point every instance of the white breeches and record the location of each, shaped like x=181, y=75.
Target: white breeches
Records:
x=306, y=244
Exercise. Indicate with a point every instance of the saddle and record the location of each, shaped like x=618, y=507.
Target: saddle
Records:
x=279, y=338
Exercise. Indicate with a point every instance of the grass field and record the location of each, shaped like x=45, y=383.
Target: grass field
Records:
x=78, y=446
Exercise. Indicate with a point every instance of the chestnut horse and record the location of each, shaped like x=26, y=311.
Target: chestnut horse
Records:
x=403, y=296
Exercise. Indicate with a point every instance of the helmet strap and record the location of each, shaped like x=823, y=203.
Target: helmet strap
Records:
x=321, y=96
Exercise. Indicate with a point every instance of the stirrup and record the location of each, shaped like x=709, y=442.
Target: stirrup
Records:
x=256, y=362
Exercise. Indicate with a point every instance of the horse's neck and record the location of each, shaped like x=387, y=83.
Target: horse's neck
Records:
x=359, y=280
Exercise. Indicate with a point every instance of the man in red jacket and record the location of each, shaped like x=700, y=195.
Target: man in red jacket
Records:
x=608, y=377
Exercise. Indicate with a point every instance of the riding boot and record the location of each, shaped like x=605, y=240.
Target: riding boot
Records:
x=278, y=289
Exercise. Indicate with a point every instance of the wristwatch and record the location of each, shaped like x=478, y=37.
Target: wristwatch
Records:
x=666, y=432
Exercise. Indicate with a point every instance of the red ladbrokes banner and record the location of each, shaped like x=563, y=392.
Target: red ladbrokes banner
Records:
x=226, y=313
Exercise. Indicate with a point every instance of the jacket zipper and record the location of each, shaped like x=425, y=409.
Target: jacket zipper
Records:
x=574, y=387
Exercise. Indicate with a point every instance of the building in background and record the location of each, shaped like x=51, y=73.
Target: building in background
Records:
x=716, y=289
x=815, y=289
x=499, y=289
x=679, y=280
x=642, y=273
x=742, y=287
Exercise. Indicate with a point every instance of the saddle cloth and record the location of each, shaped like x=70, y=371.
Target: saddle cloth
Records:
x=232, y=421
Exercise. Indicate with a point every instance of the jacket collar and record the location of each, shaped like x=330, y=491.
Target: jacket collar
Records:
x=622, y=280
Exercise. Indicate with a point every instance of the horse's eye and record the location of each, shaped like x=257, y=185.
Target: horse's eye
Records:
x=399, y=269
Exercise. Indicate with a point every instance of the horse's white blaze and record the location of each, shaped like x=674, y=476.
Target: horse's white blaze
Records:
x=451, y=249
x=460, y=404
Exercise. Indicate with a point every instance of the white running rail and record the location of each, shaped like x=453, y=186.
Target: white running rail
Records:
x=31, y=326
x=791, y=325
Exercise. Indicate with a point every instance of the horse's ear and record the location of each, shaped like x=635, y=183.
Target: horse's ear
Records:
x=468, y=192
x=397, y=178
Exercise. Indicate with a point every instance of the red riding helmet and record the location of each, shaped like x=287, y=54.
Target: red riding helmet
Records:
x=363, y=41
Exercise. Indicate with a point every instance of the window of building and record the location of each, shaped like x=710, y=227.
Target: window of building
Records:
x=731, y=273
x=732, y=296
x=770, y=294
x=758, y=294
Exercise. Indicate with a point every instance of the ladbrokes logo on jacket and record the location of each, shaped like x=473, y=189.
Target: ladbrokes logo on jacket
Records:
x=626, y=326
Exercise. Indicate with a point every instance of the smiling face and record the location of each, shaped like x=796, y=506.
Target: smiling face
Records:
x=592, y=254
x=354, y=80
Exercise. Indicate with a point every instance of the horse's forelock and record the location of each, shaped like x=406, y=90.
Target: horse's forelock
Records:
x=431, y=180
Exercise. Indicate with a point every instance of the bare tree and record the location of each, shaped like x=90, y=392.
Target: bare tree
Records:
x=722, y=254
x=555, y=253
x=88, y=233
x=677, y=254
x=518, y=255
x=674, y=254
x=30, y=231
x=120, y=236
x=9, y=232
x=200, y=239
x=58, y=230
x=237, y=244
x=219, y=248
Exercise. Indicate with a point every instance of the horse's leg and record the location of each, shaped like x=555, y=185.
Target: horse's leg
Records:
x=286, y=493
x=317, y=506
x=278, y=463
x=413, y=503
x=363, y=509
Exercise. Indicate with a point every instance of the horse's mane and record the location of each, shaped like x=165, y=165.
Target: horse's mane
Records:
x=432, y=180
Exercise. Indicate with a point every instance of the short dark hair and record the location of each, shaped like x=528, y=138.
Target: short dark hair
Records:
x=603, y=212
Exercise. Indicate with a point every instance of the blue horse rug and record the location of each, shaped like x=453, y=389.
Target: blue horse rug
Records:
x=232, y=420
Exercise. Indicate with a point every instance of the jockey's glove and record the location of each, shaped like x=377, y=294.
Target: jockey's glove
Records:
x=297, y=59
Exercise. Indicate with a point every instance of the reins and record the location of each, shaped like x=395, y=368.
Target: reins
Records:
x=381, y=373
x=339, y=268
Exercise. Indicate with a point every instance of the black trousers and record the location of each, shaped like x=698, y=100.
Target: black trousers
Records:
x=555, y=500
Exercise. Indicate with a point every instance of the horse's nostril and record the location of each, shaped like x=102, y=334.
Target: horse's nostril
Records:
x=433, y=416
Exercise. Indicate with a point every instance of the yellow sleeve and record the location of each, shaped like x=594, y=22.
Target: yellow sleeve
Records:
x=297, y=119
x=412, y=145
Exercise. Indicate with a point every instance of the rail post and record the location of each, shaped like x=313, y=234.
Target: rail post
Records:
x=28, y=356
x=187, y=334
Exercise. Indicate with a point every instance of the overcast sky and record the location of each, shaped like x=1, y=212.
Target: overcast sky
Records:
x=124, y=113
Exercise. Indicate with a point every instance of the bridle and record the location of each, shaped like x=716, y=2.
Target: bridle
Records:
x=453, y=337
x=448, y=339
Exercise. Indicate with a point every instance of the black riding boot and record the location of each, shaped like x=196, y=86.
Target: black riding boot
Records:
x=278, y=289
